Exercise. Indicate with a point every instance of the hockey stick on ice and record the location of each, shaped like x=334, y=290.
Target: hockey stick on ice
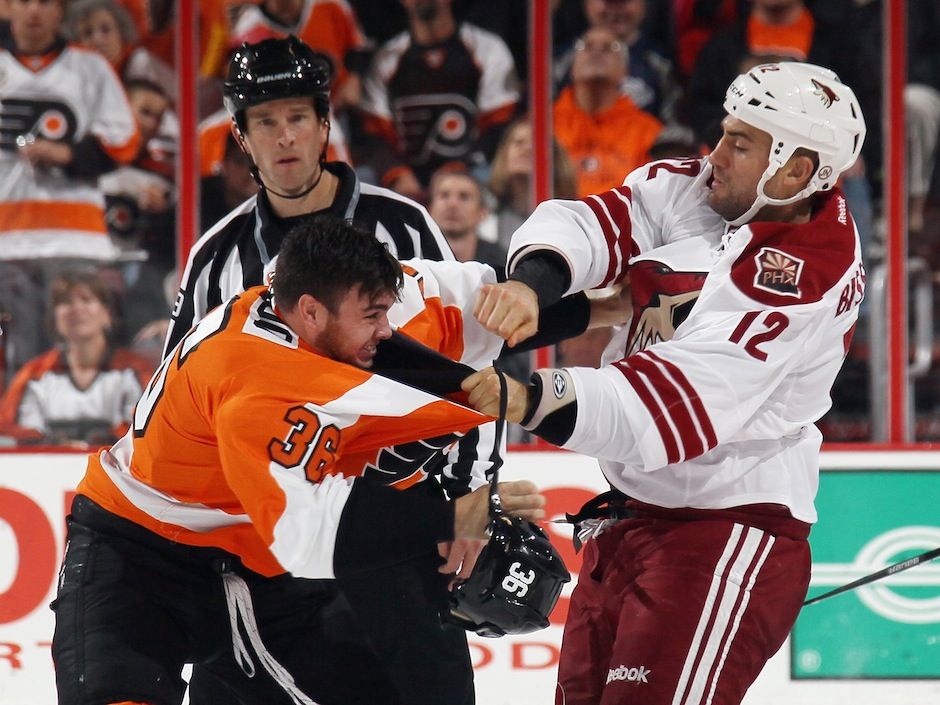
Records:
x=883, y=573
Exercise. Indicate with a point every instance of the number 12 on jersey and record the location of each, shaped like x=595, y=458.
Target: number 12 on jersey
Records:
x=759, y=332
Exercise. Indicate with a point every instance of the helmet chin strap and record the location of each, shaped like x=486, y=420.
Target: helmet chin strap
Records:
x=763, y=199
x=256, y=175
x=257, y=178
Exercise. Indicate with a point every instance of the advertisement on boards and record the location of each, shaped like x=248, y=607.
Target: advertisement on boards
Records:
x=878, y=645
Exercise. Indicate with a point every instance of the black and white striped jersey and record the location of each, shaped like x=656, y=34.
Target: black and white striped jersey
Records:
x=233, y=254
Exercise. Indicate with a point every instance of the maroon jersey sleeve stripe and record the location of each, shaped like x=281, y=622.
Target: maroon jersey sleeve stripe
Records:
x=696, y=402
x=665, y=432
x=620, y=214
x=608, y=229
x=676, y=407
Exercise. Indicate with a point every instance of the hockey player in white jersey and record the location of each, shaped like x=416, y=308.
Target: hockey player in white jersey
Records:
x=746, y=274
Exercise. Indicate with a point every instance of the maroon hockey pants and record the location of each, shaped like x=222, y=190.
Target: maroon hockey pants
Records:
x=678, y=612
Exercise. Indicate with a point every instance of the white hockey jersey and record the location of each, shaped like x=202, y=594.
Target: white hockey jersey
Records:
x=708, y=398
x=44, y=212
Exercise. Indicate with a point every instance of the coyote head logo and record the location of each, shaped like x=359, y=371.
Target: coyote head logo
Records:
x=825, y=93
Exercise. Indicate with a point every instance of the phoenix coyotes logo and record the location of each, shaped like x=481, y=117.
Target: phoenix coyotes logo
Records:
x=825, y=93
x=778, y=272
x=662, y=299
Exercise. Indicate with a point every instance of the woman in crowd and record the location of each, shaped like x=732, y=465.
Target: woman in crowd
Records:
x=511, y=176
x=82, y=391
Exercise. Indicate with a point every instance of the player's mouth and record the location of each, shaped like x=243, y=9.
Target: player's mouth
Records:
x=366, y=355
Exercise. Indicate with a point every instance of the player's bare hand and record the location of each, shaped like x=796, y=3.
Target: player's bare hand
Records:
x=509, y=309
x=460, y=556
x=483, y=394
x=471, y=512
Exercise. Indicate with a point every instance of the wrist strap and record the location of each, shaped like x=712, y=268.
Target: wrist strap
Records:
x=551, y=389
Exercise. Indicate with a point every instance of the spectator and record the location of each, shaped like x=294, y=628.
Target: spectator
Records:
x=329, y=26
x=695, y=21
x=457, y=204
x=602, y=130
x=107, y=27
x=141, y=214
x=772, y=30
x=84, y=390
x=511, y=178
x=64, y=121
x=139, y=195
x=440, y=92
x=648, y=81
x=233, y=185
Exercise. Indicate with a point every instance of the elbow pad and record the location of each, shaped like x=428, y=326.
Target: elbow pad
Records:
x=552, y=407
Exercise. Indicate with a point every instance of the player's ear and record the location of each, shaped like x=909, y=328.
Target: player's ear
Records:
x=239, y=137
x=799, y=169
x=312, y=311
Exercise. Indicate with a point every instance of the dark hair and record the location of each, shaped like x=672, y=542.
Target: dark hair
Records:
x=143, y=84
x=459, y=171
x=61, y=289
x=326, y=257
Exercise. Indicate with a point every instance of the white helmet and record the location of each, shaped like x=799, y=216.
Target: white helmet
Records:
x=799, y=105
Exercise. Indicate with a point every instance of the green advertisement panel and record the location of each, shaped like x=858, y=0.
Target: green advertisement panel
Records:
x=890, y=628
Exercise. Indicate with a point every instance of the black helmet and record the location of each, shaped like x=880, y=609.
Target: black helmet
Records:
x=515, y=583
x=276, y=68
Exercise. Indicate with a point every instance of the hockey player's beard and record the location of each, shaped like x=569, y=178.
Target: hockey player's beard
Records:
x=730, y=206
x=334, y=344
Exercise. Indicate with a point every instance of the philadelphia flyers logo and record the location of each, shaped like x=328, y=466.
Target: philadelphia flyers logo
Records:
x=52, y=125
x=36, y=118
x=825, y=93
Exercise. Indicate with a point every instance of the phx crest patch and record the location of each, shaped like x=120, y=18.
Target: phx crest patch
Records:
x=778, y=272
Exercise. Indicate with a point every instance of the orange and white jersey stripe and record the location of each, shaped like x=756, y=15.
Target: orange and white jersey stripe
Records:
x=44, y=212
x=237, y=441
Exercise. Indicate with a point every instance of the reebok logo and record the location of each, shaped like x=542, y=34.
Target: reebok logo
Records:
x=637, y=674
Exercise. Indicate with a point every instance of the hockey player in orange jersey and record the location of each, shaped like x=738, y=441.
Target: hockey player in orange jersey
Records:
x=213, y=531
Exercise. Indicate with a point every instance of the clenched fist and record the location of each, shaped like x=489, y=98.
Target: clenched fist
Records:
x=483, y=394
x=510, y=310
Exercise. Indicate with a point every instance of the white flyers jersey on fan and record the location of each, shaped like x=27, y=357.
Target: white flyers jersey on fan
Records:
x=44, y=212
x=723, y=414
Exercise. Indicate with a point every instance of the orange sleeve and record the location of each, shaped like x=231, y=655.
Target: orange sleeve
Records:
x=35, y=368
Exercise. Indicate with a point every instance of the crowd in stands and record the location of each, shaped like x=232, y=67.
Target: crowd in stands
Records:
x=428, y=99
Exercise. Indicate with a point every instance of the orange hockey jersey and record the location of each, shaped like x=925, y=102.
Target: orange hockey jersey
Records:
x=239, y=440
